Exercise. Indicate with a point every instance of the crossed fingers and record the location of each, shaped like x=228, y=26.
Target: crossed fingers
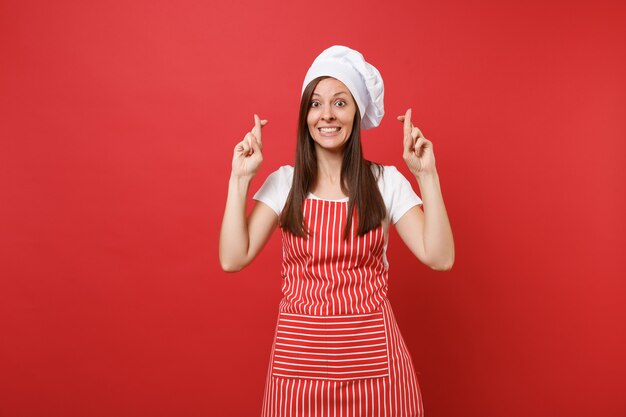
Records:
x=253, y=139
x=412, y=134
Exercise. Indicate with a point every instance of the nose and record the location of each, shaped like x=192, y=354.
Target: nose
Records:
x=327, y=113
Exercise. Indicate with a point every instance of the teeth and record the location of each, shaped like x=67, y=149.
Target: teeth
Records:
x=328, y=129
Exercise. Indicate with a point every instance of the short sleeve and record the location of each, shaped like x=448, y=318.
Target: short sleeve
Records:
x=398, y=194
x=275, y=189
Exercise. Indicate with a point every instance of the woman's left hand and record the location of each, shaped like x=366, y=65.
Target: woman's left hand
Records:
x=418, y=151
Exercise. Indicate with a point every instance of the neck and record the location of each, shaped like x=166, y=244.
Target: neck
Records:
x=329, y=166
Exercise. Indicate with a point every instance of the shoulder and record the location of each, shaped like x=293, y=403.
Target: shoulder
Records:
x=285, y=171
x=282, y=177
x=276, y=187
x=386, y=175
x=396, y=190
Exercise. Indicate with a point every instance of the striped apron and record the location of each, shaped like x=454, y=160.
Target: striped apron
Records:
x=337, y=349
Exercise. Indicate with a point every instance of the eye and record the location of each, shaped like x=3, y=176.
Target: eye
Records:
x=315, y=104
x=341, y=103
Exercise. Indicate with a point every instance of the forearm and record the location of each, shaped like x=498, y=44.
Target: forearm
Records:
x=234, y=237
x=438, y=240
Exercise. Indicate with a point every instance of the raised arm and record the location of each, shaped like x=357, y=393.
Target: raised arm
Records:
x=427, y=233
x=241, y=238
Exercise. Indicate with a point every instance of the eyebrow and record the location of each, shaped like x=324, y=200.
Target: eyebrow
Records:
x=336, y=94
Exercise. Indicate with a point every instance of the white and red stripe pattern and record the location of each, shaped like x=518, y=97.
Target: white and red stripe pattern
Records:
x=327, y=275
x=396, y=395
x=335, y=348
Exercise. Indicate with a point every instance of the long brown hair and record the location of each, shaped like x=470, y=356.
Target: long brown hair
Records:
x=357, y=179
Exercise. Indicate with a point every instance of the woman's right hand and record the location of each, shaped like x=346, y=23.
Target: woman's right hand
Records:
x=247, y=156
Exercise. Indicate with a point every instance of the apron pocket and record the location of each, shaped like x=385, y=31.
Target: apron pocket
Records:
x=331, y=347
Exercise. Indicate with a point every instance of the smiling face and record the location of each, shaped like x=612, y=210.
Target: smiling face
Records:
x=331, y=115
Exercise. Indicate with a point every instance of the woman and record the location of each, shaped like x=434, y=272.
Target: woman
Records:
x=337, y=348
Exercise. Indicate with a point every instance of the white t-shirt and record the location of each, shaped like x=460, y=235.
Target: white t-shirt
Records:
x=395, y=189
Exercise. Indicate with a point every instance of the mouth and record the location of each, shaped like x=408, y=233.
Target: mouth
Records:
x=329, y=129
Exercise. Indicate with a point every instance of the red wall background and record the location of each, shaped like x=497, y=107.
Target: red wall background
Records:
x=118, y=121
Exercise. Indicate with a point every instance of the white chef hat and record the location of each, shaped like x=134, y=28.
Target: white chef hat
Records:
x=361, y=78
